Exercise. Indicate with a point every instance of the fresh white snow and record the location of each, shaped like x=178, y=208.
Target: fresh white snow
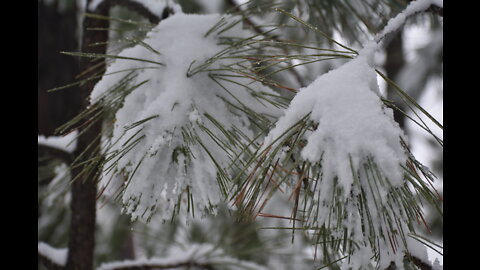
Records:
x=352, y=122
x=353, y=125
x=395, y=23
x=176, y=103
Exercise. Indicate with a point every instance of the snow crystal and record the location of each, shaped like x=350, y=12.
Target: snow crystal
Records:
x=56, y=255
x=176, y=104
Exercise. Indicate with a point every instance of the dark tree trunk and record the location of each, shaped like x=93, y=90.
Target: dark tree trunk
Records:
x=394, y=62
x=56, y=32
x=84, y=187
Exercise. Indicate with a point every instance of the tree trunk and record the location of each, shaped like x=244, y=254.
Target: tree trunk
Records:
x=394, y=62
x=56, y=33
x=84, y=187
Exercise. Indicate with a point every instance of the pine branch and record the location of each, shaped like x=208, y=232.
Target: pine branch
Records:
x=259, y=30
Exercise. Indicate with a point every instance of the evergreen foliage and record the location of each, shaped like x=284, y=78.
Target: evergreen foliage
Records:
x=253, y=139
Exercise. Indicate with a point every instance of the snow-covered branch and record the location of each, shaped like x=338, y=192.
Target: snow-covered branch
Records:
x=133, y=265
x=154, y=11
x=60, y=147
x=436, y=7
x=201, y=256
x=186, y=135
x=414, y=7
x=154, y=16
x=419, y=263
x=58, y=153
x=52, y=258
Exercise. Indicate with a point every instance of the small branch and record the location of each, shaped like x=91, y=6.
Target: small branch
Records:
x=143, y=10
x=419, y=263
x=56, y=153
x=145, y=266
x=414, y=7
x=48, y=263
x=433, y=9
x=415, y=260
x=436, y=10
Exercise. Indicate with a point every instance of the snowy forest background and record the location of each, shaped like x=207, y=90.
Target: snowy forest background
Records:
x=256, y=213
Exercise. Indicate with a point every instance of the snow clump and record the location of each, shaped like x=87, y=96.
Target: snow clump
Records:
x=174, y=106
